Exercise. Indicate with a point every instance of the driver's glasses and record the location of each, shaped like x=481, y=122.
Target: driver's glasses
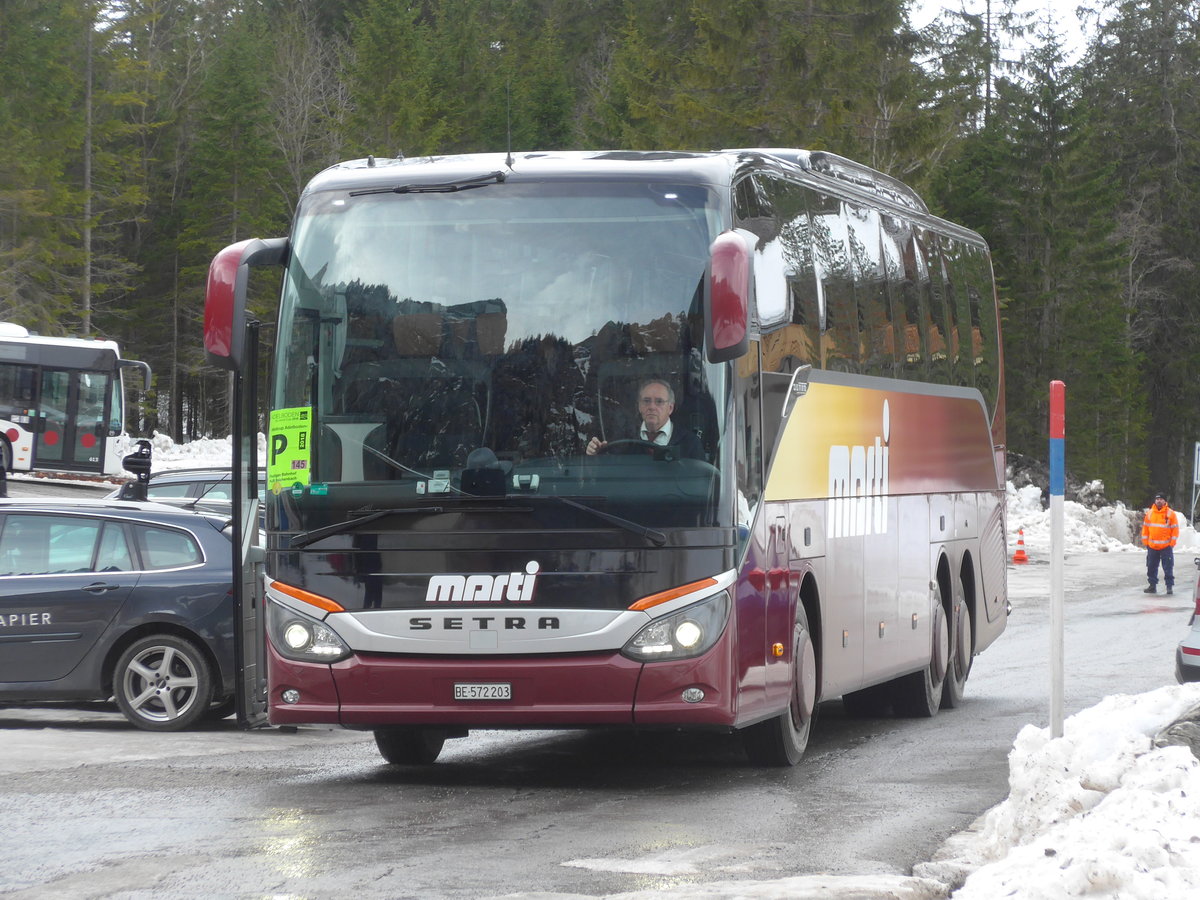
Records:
x=653, y=401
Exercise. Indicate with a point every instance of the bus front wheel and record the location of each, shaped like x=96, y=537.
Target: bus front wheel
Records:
x=410, y=746
x=781, y=741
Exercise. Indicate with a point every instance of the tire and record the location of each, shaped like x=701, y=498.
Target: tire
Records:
x=962, y=648
x=919, y=695
x=163, y=683
x=410, y=746
x=781, y=741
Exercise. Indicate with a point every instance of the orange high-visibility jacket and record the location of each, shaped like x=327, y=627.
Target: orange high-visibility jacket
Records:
x=1160, y=528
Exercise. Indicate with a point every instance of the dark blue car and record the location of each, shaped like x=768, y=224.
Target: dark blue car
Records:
x=112, y=598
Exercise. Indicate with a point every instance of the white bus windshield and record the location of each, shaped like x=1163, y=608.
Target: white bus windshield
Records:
x=473, y=343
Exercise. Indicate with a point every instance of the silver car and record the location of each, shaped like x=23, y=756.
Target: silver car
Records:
x=1187, y=655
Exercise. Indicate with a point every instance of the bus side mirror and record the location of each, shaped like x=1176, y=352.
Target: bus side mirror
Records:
x=727, y=298
x=225, y=298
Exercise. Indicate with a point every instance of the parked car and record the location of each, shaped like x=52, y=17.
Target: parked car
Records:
x=208, y=488
x=1187, y=654
x=116, y=599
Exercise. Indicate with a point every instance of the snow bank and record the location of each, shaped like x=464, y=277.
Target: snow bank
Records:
x=1098, y=811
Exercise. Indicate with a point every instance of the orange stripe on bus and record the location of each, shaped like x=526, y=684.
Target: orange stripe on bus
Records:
x=664, y=596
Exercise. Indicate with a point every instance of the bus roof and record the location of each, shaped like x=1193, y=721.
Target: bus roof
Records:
x=716, y=168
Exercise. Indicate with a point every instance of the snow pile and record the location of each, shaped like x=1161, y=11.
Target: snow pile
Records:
x=1098, y=811
x=1113, y=528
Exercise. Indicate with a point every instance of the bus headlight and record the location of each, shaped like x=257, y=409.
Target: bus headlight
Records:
x=681, y=635
x=302, y=638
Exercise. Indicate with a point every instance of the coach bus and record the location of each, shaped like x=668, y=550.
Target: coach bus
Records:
x=62, y=402
x=468, y=528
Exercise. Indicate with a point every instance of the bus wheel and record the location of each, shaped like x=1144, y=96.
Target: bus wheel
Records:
x=960, y=658
x=410, y=746
x=781, y=741
x=919, y=695
x=162, y=683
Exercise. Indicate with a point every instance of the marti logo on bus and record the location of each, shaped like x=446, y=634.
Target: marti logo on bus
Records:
x=858, y=484
x=515, y=587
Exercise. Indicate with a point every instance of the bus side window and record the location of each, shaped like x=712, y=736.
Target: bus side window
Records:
x=870, y=289
x=933, y=294
x=961, y=331
x=981, y=299
x=841, y=348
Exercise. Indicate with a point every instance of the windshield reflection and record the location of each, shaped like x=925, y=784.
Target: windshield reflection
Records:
x=472, y=344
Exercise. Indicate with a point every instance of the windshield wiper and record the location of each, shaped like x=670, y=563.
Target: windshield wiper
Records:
x=442, y=187
x=308, y=537
x=652, y=534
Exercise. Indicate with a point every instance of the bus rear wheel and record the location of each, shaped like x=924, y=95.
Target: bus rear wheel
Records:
x=919, y=695
x=781, y=741
x=961, y=653
x=410, y=746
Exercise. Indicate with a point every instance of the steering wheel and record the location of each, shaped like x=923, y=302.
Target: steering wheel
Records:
x=630, y=445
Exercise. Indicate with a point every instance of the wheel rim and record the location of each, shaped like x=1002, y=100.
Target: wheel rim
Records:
x=805, y=697
x=160, y=684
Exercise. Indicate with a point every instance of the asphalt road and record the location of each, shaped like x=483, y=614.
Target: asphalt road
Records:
x=94, y=808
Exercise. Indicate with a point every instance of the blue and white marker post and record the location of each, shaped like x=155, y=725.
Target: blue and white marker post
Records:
x=1058, y=392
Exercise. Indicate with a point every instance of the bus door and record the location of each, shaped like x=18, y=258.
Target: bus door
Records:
x=72, y=422
x=250, y=553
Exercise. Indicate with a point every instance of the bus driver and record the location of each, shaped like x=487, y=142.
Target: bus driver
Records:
x=656, y=402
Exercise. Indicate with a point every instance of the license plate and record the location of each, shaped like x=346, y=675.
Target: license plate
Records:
x=496, y=691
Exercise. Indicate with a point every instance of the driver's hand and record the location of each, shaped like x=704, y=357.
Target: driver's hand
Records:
x=594, y=446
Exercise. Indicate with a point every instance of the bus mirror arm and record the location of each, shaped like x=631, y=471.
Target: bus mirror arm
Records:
x=225, y=297
x=137, y=364
x=728, y=290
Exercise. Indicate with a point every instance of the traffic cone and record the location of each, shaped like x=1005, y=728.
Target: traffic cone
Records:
x=1020, y=556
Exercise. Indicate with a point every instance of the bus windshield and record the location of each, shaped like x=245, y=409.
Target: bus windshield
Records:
x=445, y=345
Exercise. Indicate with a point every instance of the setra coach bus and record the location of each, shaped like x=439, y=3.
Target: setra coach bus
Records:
x=470, y=521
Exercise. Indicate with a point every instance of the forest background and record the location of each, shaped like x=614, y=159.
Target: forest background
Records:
x=138, y=137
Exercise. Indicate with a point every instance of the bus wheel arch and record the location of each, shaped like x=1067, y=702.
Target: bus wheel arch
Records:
x=782, y=740
x=962, y=635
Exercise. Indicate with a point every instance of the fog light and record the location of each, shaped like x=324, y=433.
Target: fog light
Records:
x=291, y=695
x=693, y=695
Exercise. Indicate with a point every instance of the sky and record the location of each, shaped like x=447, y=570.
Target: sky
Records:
x=1062, y=15
x=1097, y=812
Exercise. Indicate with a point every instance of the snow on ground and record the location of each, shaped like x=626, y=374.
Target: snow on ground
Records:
x=1098, y=812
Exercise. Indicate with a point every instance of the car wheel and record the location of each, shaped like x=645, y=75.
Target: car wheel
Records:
x=919, y=695
x=410, y=746
x=162, y=683
x=781, y=741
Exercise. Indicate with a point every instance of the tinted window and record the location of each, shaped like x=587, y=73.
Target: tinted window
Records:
x=47, y=545
x=159, y=491
x=114, y=554
x=166, y=548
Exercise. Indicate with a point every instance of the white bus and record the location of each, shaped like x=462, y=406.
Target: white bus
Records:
x=62, y=402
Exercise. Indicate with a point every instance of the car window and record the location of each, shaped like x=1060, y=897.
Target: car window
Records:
x=114, y=554
x=218, y=490
x=166, y=548
x=47, y=545
x=179, y=489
